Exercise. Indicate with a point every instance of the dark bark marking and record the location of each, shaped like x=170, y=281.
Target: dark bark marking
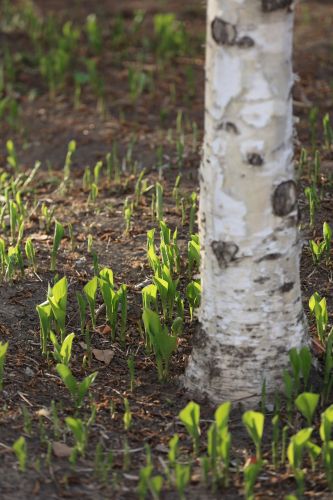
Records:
x=284, y=198
x=290, y=95
x=223, y=33
x=245, y=42
x=224, y=252
x=272, y=5
x=292, y=221
x=213, y=371
x=255, y=159
x=286, y=287
x=279, y=351
x=270, y=256
x=300, y=317
x=228, y=127
x=261, y=280
x=231, y=128
x=242, y=352
x=299, y=215
x=199, y=339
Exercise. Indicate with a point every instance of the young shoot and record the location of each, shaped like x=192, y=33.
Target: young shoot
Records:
x=295, y=453
x=159, y=201
x=90, y=291
x=58, y=235
x=176, y=191
x=163, y=343
x=190, y=417
x=62, y=352
x=94, y=33
x=307, y=403
x=318, y=308
x=80, y=433
x=21, y=452
x=127, y=418
x=193, y=295
x=12, y=156
x=68, y=162
x=193, y=212
x=131, y=369
x=78, y=390
x=44, y=312
x=3, y=353
x=47, y=215
x=57, y=298
x=31, y=254
x=182, y=478
x=313, y=200
x=128, y=213
x=254, y=424
x=328, y=132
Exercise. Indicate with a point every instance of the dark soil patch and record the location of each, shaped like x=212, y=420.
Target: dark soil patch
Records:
x=45, y=128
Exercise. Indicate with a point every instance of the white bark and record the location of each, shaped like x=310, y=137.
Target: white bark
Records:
x=251, y=313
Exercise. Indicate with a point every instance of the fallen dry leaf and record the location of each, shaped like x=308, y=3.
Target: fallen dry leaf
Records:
x=61, y=450
x=105, y=355
x=36, y=488
x=103, y=330
x=39, y=237
x=318, y=346
x=43, y=412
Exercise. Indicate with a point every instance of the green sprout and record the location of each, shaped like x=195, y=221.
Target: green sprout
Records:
x=3, y=352
x=193, y=295
x=90, y=291
x=62, y=352
x=318, y=308
x=171, y=38
x=68, y=161
x=251, y=472
x=313, y=200
x=47, y=214
x=163, y=343
x=307, y=403
x=326, y=436
x=94, y=33
x=193, y=212
x=295, y=452
x=131, y=369
x=44, y=312
x=80, y=433
x=78, y=390
x=58, y=235
x=159, y=201
x=12, y=156
x=254, y=423
x=190, y=417
x=182, y=478
x=57, y=298
x=328, y=132
x=128, y=213
x=31, y=254
x=127, y=418
x=21, y=452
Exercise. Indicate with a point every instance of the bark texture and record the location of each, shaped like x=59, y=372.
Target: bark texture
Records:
x=251, y=313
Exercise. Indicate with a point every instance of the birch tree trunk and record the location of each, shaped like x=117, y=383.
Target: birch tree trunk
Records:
x=251, y=313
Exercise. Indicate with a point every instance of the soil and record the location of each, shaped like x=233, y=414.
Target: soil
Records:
x=46, y=127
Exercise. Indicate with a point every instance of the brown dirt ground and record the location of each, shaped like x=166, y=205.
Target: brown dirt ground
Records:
x=48, y=126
